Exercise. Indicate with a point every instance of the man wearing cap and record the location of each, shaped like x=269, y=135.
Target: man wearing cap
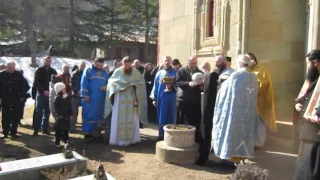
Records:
x=235, y=115
x=222, y=69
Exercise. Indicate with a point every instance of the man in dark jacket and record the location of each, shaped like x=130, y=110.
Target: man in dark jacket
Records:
x=41, y=82
x=137, y=65
x=116, y=63
x=11, y=94
x=307, y=164
x=189, y=96
x=76, y=99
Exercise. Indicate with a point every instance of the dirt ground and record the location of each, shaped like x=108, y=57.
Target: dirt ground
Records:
x=138, y=161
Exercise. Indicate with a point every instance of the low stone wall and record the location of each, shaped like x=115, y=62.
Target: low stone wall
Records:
x=29, y=169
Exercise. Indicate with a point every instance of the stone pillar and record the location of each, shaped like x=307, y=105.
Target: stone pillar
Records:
x=316, y=31
x=313, y=31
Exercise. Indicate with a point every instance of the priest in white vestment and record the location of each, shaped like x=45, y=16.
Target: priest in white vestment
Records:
x=126, y=97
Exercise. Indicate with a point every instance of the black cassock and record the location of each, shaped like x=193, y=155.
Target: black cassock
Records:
x=209, y=100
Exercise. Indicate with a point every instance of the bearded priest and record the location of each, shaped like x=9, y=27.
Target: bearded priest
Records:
x=126, y=97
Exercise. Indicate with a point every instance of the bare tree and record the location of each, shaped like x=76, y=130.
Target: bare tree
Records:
x=147, y=31
x=31, y=34
x=71, y=28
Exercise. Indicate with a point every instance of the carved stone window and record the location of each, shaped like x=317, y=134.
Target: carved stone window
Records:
x=207, y=23
x=210, y=18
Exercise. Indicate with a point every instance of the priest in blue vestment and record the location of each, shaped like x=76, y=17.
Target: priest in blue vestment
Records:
x=235, y=115
x=93, y=91
x=165, y=101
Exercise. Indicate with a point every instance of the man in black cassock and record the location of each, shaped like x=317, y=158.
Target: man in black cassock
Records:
x=308, y=160
x=208, y=103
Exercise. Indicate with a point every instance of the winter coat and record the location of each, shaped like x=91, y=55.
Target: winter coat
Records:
x=75, y=82
x=52, y=93
x=42, y=78
x=63, y=112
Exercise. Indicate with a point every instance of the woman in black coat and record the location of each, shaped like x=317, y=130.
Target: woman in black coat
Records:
x=62, y=104
x=149, y=78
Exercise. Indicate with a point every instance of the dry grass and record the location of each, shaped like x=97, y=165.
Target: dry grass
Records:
x=135, y=161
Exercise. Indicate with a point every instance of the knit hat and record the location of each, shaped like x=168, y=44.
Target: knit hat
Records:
x=58, y=87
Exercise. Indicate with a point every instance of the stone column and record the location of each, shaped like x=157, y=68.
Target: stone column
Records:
x=316, y=31
x=313, y=31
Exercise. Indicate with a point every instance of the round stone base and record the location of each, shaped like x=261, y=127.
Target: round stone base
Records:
x=176, y=155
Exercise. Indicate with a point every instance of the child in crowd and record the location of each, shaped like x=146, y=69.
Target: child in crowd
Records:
x=63, y=114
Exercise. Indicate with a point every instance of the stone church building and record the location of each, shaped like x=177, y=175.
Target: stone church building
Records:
x=278, y=32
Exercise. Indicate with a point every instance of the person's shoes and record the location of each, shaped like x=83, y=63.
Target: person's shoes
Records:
x=58, y=146
x=46, y=133
x=87, y=138
x=72, y=131
x=67, y=142
x=15, y=136
x=200, y=162
x=3, y=136
x=35, y=133
x=141, y=126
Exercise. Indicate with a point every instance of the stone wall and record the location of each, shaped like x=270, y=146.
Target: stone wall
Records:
x=274, y=30
x=276, y=35
x=175, y=28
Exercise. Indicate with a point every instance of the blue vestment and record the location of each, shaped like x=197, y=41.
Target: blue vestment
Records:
x=91, y=81
x=166, y=101
x=235, y=116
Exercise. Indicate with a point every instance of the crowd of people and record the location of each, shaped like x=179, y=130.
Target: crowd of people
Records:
x=169, y=93
x=231, y=118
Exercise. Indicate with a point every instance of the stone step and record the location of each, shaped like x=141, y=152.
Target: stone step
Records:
x=90, y=177
x=176, y=155
x=29, y=169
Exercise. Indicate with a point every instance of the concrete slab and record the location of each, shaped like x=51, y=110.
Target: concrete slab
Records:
x=176, y=155
x=29, y=169
x=90, y=177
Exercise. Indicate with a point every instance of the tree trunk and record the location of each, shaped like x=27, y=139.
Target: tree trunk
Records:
x=31, y=35
x=71, y=29
x=111, y=30
x=147, y=31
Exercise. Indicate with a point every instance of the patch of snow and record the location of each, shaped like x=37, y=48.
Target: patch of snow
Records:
x=23, y=63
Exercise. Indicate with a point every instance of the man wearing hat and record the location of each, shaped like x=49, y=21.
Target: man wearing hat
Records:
x=222, y=68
